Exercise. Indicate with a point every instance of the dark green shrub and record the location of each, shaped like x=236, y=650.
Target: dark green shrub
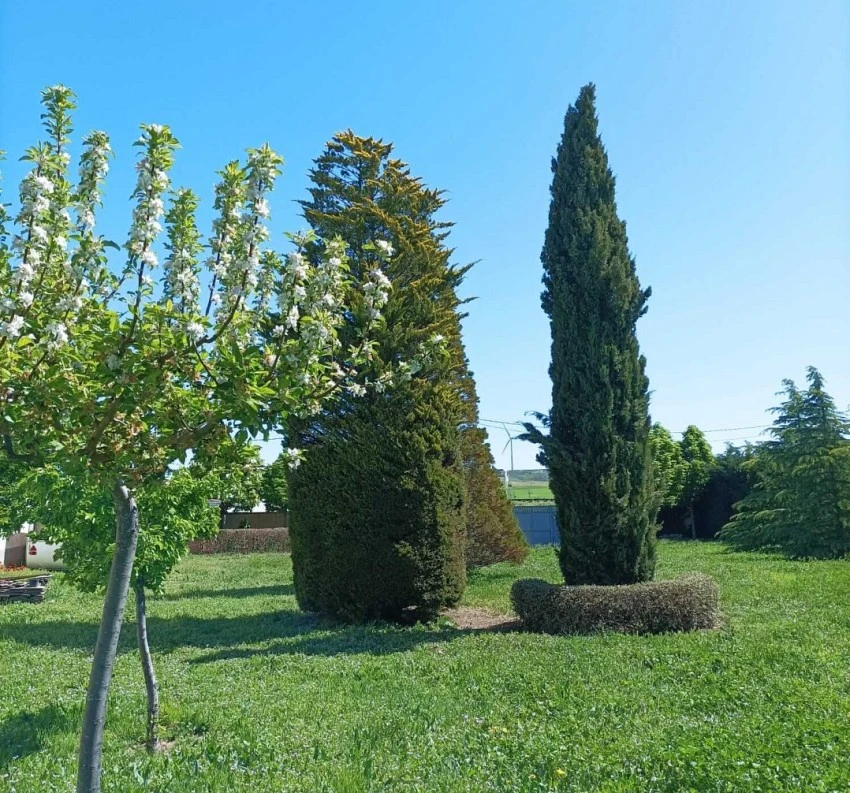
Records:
x=243, y=541
x=686, y=603
x=377, y=509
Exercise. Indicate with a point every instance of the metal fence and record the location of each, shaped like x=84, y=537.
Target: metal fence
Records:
x=538, y=524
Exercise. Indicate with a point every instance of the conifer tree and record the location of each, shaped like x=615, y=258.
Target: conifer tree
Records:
x=359, y=187
x=378, y=507
x=597, y=448
x=800, y=503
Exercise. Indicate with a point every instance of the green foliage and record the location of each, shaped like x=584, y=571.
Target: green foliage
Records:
x=376, y=506
x=668, y=466
x=274, y=485
x=597, y=448
x=377, y=509
x=234, y=470
x=684, y=604
x=10, y=475
x=731, y=480
x=800, y=503
x=698, y=463
x=77, y=515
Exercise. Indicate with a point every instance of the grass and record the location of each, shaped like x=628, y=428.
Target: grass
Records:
x=530, y=491
x=261, y=698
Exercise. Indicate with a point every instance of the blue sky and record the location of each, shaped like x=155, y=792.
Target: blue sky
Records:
x=727, y=125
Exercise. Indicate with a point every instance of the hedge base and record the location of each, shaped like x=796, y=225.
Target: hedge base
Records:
x=243, y=541
x=688, y=603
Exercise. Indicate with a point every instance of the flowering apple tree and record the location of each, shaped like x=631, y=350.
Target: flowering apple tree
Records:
x=115, y=362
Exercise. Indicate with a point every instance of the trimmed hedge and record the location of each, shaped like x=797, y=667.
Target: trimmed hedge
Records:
x=243, y=541
x=687, y=603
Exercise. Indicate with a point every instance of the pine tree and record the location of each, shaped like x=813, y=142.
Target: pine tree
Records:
x=597, y=449
x=800, y=503
x=417, y=446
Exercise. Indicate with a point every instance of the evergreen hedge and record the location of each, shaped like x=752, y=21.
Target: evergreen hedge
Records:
x=687, y=603
x=377, y=510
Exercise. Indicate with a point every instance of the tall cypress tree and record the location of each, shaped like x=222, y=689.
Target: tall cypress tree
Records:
x=597, y=448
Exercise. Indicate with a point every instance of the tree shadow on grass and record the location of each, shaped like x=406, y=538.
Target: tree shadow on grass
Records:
x=280, y=633
x=348, y=640
x=246, y=592
x=27, y=733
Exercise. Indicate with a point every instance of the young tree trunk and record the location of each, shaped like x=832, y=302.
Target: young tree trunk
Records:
x=152, y=734
x=91, y=740
x=693, y=520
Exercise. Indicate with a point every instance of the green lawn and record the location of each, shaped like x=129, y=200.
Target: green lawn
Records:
x=529, y=491
x=260, y=698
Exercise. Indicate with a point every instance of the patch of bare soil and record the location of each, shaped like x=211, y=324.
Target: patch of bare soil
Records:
x=471, y=618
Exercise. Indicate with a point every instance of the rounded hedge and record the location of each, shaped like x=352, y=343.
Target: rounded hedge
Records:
x=690, y=602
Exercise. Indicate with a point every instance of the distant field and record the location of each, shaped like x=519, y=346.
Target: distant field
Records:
x=530, y=491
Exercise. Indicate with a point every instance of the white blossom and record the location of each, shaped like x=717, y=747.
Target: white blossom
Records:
x=86, y=219
x=149, y=258
x=196, y=330
x=70, y=303
x=294, y=457
x=385, y=247
x=44, y=184
x=25, y=299
x=380, y=278
x=58, y=335
x=12, y=328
